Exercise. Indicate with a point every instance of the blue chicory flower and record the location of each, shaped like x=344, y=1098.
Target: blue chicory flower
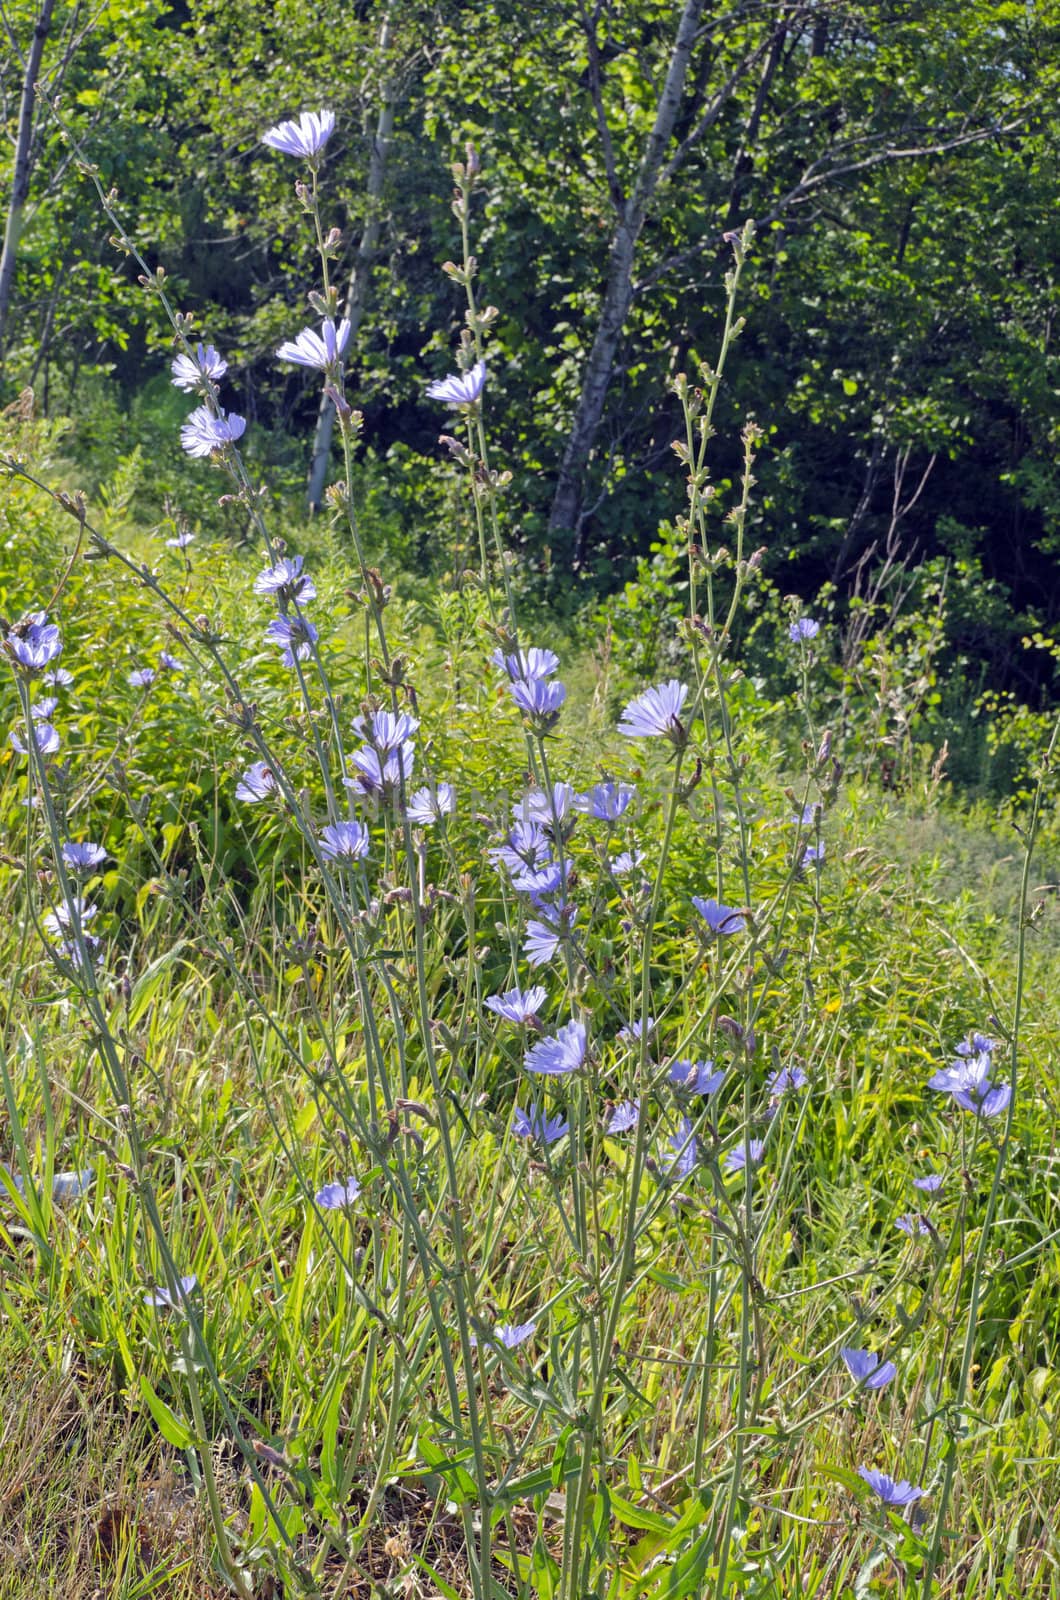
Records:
x=539, y=882
x=536, y=1125
x=189, y=372
x=203, y=433
x=517, y=1005
x=526, y=847
x=992, y=1104
x=971, y=1072
x=634, y=1030
x=77, y=912
x=44, y=737
x=257, y=783
x=83, y=857
x=80, y=953
x=530, y=663
x=561, y=1055
x=306, y=137
x=286, y=581
x=930, y=1183
x=385, y=730
x=912, y=1223
x=34, y=642
x=165, y=1300
x=344, y=841
x=656, y=714
x=58, y=678
x=606, y=802
x=543, y=937
x=720, y=919
x=752, y=1152
x=143, y=677
x=43, y=710
x=812, y=856
x=696, y=1077
x=802, y=631
x=623, y=1116
x=892, y=1492
x=322, y=350
x=686, y=1150
x=297, y=635
x=169, y=663
x=538, y=698
x=378, y=775
x=969, y=1082
x=627, y=862
x=786, y=1078
x=428, y=806
x=461, y=388
x=181, y=540
x=513, y=1334
x=867, y=1369
x=543, y=806
x=977, y=1044
x=337, y=1196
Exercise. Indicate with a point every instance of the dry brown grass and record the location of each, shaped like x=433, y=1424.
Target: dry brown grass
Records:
x=89, y=1508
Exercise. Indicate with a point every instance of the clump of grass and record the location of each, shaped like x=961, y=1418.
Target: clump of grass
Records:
x=90, y=1502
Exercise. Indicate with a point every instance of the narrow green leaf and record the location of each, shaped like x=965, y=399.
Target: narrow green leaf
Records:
x=169, y=1424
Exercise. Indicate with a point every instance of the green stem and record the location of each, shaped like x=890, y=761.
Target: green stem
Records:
x=592, y=1432
x=239, y=1579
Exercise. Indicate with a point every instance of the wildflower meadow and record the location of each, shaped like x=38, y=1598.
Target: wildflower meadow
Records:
x=498, y=1105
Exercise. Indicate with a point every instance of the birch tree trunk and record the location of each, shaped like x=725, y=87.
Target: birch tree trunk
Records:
x=565, y=517
x=23, y=166
x=357, y=292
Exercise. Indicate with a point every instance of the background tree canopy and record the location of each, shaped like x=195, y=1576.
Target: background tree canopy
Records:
x=899, y=161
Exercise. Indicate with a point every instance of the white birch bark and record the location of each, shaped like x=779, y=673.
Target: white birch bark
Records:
x=565, y=518
x=22, y=171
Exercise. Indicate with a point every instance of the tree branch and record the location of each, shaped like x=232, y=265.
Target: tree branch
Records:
x=813, y=182
x=596, y=91
x=719, y=101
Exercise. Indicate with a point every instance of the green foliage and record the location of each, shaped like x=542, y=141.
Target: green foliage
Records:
x=901, y=315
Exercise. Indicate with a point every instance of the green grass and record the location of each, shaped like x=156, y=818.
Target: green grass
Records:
x=240, y=1017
